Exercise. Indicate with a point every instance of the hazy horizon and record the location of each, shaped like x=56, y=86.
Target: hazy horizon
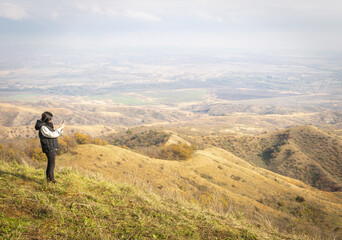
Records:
x=101, y=25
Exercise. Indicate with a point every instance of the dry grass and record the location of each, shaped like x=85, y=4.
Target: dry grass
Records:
x=305, y=153
x=218, y=180
x=87, y=207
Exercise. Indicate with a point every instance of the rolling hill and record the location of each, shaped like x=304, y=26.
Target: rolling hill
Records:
x=88, y=113
x=92, y=117
x=306, y=153
x=222, y=182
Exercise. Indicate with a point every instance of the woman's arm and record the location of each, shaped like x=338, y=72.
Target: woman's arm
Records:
x=51, y=134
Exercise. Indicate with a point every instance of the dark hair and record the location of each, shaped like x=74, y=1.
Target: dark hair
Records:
x=46, y=118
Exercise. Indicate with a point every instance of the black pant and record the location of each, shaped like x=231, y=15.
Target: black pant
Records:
x=51, y=165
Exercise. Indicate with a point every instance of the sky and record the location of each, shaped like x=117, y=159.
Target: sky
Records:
x=311, y=25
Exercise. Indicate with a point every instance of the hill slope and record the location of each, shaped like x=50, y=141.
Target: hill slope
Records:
x=83, y=207
x=219, y=180
x=306, y=153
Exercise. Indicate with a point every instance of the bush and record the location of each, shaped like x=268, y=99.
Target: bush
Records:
x=11, y=154
x=99, y=141
x=179, y=151
x=300, y=199
x=14, y=151
x=66, y=144
x=82, y=138
x=86, y=139
x=38, y=155
x=30, y=146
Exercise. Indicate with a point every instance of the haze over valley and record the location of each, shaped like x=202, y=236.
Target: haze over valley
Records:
x=269, y=85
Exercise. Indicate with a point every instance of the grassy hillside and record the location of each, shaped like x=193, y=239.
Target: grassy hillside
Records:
x=308, y=154
x=305, y=153
x=218, y=180
x=84, y=207
x=213, y=183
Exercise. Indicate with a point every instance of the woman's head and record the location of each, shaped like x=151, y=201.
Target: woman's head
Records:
x=46, y=117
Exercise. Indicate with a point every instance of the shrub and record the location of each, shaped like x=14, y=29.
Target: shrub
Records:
x=289, y=153
x=11, y=154
x=300, y=199
x=38, y=155
x=82, y=138
x=129, y=132
x=268, y=154
x=99, y=141
x=30, y=146
x=86, y=139
x=66, y=144
x=179, y=151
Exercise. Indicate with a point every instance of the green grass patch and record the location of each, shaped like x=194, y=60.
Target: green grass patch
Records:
x=178, y=96
x=22, y=97
x=159, y=97
x=121, y=99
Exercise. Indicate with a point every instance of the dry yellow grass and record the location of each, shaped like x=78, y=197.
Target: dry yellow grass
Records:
x=219, y=180
x=6, y=107
x=306, y=153
x=86, y=207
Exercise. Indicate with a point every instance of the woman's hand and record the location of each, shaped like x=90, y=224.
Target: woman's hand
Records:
x=62, y=125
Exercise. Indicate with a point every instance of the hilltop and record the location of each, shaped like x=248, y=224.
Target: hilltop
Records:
x=306, y=153
x=220, y=181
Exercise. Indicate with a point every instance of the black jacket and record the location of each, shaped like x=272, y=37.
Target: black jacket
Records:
x=48, y=144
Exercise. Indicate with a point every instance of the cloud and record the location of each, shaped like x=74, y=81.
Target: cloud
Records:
x=97, y=10
x=141, y=15
x=12, y=11
x=89, y=8
x=54, y=15
x=113, y=11
x=208, y=17
x=244, y=23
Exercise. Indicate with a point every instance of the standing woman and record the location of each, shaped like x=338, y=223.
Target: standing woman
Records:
x=48, y=139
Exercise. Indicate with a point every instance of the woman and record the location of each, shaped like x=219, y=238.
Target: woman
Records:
x=48, y=139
